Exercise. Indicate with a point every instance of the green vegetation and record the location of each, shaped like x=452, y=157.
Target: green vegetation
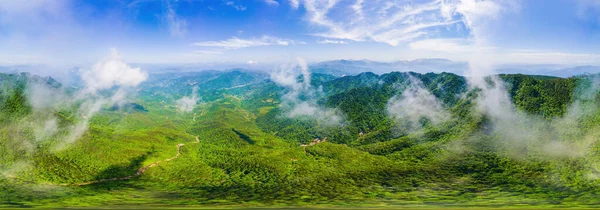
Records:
x=250, y=153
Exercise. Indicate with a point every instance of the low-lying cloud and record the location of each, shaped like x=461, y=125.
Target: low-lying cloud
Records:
x=301, y=98
x=187, y=103
x=106, y=75
x=54, y=107
x=415, y=105
x=112, y=72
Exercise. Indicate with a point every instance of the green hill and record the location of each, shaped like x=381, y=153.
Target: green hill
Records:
x=240, y=146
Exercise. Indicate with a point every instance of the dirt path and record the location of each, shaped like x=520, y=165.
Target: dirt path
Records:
x=139, y=172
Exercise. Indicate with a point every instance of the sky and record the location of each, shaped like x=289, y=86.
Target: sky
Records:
x=271, y=31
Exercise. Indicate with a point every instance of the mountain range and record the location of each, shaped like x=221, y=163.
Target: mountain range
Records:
x=293, y=137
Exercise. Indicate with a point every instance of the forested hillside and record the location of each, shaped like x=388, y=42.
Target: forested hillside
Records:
x=248, y=138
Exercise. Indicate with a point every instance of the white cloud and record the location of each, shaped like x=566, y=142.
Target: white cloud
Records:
x=251, y=62
x=391, y=22
x=358, y=9
x=112, y=72
x=477, y=14
x=237, y=43
x=237, y=7
x=294, y=4
x=177, y=26
x=397, y=22
x=301, y=98
x=327, y=41
x=271, y=2
x=416, y=103
x=187, y=103
x=106, y=74
x=474, y=10
x=207, y=52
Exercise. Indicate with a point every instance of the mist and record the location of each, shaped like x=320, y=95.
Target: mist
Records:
x=301, y=97
x=187, y=103
x=414, y=105
x=107, y=82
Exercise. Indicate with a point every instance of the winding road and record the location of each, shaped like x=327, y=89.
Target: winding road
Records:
x=139, y=172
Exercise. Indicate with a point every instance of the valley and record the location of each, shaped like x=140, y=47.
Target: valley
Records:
x=239, y=143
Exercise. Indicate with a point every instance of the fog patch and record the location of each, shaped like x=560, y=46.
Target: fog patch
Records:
x=301, y=98
x=44, y=97
x=106, y=75
x=49, y=128
x=112, y=72
x=187, y=103
x=416, y=105
x=107, y=82
x=518, y=134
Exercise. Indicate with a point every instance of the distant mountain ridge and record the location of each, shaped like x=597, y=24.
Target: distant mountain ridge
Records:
x=352, y=67
x=338, y=68
x=238, y=131
x=436, y=65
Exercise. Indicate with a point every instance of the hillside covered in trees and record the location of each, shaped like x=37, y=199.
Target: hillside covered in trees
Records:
x=294, y=138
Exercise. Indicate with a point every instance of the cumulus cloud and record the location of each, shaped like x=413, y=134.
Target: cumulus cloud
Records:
x=416, y=104
x=112, y=72
x=300, y=99
x=106, y=74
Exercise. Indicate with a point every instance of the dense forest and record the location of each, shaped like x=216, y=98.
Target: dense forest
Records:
x=245, y=138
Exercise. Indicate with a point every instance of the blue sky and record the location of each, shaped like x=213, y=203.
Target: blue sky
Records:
x=272, y=31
